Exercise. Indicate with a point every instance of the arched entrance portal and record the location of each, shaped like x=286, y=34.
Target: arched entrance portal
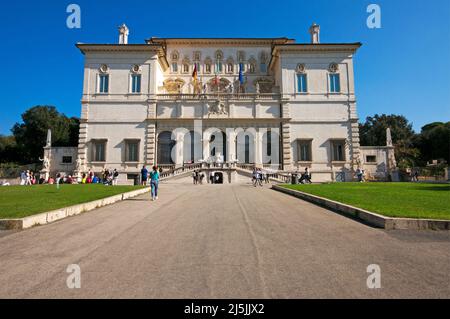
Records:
x=245, y=148
x=218, y=144
x=191, y=141
x=165, y=145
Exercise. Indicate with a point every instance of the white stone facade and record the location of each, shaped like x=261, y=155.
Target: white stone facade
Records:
x=315, y=123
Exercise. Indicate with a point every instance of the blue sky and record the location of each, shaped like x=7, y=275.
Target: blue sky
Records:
x=402, y=68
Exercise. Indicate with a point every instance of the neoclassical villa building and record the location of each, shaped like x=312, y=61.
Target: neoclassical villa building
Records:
x=269, y=102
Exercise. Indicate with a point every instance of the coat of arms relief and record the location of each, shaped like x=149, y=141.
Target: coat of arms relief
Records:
x=217, y=108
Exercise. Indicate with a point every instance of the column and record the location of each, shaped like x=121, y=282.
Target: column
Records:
x=231, y=145
x=179, y=155
x=205, y=140
x=258, y=148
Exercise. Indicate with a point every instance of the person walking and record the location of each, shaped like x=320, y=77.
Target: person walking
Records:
x=195, y=177
x=144, y=176
x=154, y=181
x=115, y=177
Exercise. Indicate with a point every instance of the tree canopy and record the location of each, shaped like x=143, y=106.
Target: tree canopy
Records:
x=411, y=149
x=30, y=136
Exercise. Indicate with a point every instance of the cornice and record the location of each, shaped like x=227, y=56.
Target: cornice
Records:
x=220, y=41
x=87, y=48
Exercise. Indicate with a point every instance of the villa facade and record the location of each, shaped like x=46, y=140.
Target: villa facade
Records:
x=269, y=102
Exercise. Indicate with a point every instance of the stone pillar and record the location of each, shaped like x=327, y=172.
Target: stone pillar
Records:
x=150, y=143
x=355, y=151
x=286, y=138
x=205, y=141
x=179, y=155
x=258, y=148
x=82, y=158
x=231, y=145
x=447, y=173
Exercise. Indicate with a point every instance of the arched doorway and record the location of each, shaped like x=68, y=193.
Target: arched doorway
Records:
x=192, y=140
x=165, y=145
x=267, y=147
x=245, y=148
x=218, y=144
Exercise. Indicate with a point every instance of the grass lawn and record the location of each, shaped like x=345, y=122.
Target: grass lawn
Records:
x=23, y=201
x=408, y=200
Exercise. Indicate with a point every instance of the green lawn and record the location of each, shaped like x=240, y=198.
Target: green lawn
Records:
x=22, y=201
x=408, y=200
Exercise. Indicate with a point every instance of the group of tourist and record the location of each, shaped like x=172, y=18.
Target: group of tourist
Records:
x=305, y=177
x=259, y=177
x=153, y=177
x=28, y=178
x=198, y=177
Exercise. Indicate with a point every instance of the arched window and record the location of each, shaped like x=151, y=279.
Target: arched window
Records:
x=185, y=68
x=191, y=141
x=241, y=56
x=252, y=65
x=174, y=56
x=208, y=63
x=230, y=67
x=219, y=55
x=218, y=144
x=263, y=62
x=245, y=148
x=252, y=68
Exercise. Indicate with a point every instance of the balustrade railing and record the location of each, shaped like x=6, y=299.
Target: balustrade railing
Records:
x=220, y=96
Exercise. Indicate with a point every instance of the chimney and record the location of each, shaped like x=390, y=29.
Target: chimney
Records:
x=314, y=30
x=123, y=34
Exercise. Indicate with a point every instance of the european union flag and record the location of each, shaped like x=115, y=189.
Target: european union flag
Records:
x=241, y=73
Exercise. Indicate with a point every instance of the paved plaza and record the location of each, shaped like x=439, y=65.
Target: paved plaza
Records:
x=221, y=241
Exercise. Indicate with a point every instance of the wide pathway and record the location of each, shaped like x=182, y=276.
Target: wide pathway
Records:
x=221, y=241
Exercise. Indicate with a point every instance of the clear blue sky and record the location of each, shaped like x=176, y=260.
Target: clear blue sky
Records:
x=402, y=68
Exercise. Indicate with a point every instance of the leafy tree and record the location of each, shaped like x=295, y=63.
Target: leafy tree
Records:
x=9, y=152
x=434, y=141
x=373, y=133
x=31, y=135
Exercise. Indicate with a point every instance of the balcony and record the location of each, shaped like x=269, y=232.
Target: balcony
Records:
x=219, y=96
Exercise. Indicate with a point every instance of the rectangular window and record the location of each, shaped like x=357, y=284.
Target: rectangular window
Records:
x=67, y=159
x=304, y=150
x=335, y=85
x=371, y=159
x=263, y=68
x=132, y=151
x=136, y=83
x=175, y=67
x=302, y=86
x=197, y=64
x=338, y=151
x=219, y=67
x=99, y=151
x=103, y=83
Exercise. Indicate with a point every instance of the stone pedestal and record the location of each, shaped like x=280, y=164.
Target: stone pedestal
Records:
x=395, y=176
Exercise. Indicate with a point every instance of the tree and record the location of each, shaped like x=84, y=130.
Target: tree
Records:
x=373, y=133
x=9, y=152
x=434, y=141
x=31, y=135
